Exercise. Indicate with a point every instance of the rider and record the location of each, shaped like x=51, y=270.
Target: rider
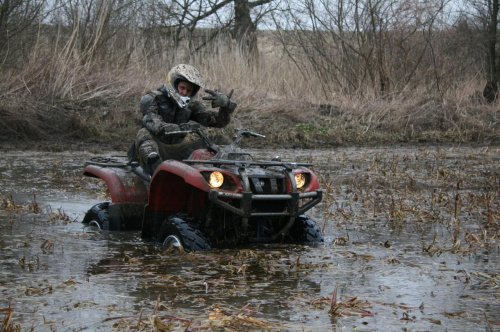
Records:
x=169, y=109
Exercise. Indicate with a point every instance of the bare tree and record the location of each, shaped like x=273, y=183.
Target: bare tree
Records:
x=486, y=14
x=180, y=20
x=244, y=30
x=478, y=29
x=17, y=17
x=93, y=23
x=359, y=46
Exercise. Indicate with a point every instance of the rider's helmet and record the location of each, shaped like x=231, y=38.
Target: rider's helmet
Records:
x=186, y=73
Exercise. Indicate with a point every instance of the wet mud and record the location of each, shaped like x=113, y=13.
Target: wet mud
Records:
x=411, y=243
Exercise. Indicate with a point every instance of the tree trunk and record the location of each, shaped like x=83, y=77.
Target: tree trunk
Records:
x=244, y=30
x=490, y=92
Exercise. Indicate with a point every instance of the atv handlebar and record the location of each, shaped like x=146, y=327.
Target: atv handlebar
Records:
x=240, y=133
x=195, y=130
x=247, y=133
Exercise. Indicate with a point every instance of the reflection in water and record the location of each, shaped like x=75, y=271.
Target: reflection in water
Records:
x=410, y=243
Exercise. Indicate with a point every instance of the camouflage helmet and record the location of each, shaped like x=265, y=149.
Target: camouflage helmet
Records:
x=186, y=73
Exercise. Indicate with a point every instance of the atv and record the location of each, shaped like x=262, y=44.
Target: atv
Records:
x=218, y=197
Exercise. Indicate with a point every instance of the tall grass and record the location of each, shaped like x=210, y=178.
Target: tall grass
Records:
x=58, y=93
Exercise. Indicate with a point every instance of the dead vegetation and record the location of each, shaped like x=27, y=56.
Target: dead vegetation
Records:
x=111, y=118
x=360, y=79
x=422, y=188
x=61, y=102
x=425, y=214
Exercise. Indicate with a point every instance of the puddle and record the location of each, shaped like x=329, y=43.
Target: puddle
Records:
x=411, y=243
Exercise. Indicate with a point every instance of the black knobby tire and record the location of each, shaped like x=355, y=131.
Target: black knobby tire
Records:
x=305, y=230
x=184, y=228
x=98, y=214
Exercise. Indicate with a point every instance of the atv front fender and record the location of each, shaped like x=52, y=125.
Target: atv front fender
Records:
x=123, y=185
x=177, y=187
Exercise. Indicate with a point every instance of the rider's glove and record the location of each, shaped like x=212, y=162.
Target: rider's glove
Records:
x=169, y=135
x=189, y=126
x=185, y=126
x=161, y=128
x=218, y=99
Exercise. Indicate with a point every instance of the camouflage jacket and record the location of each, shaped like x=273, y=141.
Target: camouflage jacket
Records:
x=160, y=114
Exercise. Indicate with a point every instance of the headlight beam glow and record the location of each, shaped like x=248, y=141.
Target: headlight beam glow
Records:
x=300, y=180
x=216, y=179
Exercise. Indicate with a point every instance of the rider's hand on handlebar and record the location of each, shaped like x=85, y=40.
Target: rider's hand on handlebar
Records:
x=218, y=99
x=189, y=126
x=172, y=135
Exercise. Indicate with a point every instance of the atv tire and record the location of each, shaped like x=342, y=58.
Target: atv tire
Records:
x=305, y=230
x=176, y=230
x=98, y=215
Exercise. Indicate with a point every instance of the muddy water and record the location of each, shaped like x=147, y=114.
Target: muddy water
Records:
x=411, y=243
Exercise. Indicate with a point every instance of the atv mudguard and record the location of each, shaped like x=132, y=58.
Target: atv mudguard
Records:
x=172, y=185
x=124, y=186
x=129, y=194
x=175, y=187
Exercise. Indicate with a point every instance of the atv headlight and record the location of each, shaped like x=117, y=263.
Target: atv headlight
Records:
x=216, y=179
x=300, y=180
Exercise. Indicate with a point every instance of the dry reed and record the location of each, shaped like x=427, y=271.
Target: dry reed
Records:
x=58, y=94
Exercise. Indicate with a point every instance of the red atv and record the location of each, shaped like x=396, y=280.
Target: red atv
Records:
x=218, y=197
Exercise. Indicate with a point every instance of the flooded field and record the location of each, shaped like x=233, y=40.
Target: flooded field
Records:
x=411, y=243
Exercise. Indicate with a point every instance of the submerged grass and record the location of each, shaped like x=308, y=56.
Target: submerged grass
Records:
x=437, y=211
x=420, y=186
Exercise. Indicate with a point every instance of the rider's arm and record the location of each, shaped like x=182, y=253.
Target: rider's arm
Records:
x=200, y=114
x=151, y=118
x=154, y=122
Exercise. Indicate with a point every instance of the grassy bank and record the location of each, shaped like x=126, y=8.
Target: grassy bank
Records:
x=57, y=102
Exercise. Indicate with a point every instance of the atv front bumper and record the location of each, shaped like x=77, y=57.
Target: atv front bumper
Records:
x=245, y=207
x=244, y=210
